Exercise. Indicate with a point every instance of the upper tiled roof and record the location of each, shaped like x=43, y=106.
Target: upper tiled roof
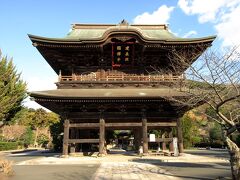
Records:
x=84, y=33
x=95, y=31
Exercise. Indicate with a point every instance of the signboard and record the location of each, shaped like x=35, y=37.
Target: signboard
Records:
x=122, y=54
x=175, y=146
x=152, y=138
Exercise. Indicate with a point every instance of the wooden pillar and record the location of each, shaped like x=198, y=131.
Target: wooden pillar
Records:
x=72, y=136
x=179, y=136
x=101, y=137
x=144, y=135
x=77, y=147
x=137, y=138
x=65, y=137
x=170, y=135
x=164, y=147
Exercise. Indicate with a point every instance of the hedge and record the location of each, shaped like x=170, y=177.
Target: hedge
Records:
x=8, y=146
x=212, y=145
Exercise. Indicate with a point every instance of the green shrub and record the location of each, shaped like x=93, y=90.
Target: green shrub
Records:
x=20, y=144
x=27, y=137
x=215, y=132
x=43, y=140
x=191, y=135
x=8, y=146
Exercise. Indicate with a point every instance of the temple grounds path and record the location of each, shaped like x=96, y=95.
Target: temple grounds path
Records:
x=194, y=164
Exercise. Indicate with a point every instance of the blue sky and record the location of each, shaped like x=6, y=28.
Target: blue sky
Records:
x=53, y=18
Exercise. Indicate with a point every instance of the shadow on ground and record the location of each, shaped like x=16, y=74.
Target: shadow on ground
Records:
x=209, y=153
x=191, y=170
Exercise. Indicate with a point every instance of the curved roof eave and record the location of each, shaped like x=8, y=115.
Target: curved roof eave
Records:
x=39, y=39
x=105, y=93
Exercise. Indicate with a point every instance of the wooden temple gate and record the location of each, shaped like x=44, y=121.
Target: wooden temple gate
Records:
x=118, y=76
x=140, y=134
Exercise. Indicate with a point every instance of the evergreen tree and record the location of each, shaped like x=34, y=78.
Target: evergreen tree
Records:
x=56, y=130
x=12, y=90
x=27, y=137
x=191, y=134
x=215, y=133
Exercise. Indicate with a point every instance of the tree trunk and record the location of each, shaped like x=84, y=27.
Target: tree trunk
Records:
x=234, y=158
x=36, y=136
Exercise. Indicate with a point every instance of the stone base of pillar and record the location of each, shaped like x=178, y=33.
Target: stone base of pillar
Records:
x=64, y=156
x=101, y=155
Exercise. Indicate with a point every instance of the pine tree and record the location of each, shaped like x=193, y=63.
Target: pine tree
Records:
x=12, y=90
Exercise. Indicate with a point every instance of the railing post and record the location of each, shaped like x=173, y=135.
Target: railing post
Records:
x=74, y=77
x=60, y=76
x=122, y=77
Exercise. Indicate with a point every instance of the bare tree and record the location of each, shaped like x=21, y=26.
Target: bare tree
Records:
x=13, y=132
x=214, y=79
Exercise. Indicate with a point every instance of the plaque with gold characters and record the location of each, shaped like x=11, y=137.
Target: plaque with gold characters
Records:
x=122, y=54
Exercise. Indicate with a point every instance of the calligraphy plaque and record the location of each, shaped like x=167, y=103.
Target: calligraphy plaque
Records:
x=122, y=54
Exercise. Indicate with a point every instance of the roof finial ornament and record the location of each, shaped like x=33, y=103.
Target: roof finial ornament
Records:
x=124, y=22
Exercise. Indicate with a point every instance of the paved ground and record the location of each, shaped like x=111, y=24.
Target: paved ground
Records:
x=201, y=170
x=216, y=153
x=131, y=171
x=55, y=172
x=196, y=164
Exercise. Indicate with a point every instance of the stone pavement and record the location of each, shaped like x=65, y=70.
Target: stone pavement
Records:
x=124, y=166
x=130, y=171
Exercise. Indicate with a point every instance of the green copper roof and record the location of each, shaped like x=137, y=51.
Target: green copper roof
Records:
x=158, y=34
x=85, y=34
x=99, y=33
x=90, y=33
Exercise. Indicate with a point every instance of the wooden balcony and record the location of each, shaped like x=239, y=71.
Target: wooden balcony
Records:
x=120, y=77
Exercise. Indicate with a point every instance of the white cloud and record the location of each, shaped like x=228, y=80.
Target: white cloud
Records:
x=206, y=9
x=224, y=14
x=160, y=16
x=189, y=34
x=32, y=104
x=229, y=28
x=38, y=84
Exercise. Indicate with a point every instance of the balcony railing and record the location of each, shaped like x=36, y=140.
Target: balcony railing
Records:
x=120, y=78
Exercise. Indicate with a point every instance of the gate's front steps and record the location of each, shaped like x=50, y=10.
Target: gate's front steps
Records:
x=119, y=151
x=111, y=151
